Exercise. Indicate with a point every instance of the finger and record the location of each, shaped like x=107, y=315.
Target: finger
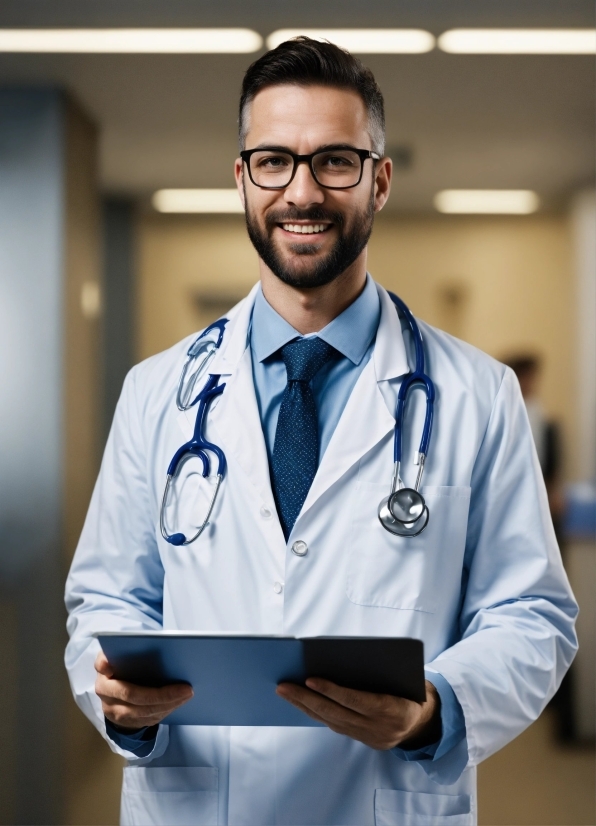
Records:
x=166, y=708
x=138, y=712
x=332, y=725
x=102, y=665
x=137, y=695
x=306, y=710
x=131, y=716
x=123, y=717
x=362, y=702
x=378, y=733
x=375, y=736
x=330, y=711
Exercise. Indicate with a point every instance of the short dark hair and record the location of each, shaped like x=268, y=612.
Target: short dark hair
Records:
x=306, y=62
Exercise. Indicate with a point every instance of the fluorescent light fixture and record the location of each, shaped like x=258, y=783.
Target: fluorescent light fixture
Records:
x=364, y=41
x=197, y=200
x=131, y=41
x=487, y=201
x=519, y=41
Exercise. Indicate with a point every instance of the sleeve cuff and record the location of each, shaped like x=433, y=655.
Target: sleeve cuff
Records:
x=453, y=725
x=140, y=743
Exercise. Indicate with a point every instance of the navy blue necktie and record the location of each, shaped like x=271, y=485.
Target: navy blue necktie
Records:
x=296, y=447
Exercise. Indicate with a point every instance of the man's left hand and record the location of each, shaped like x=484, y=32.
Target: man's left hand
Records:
x=380, y=721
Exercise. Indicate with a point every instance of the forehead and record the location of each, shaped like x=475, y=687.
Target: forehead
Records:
x=305, y=117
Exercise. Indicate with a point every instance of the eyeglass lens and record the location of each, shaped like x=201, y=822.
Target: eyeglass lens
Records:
x=336, y=168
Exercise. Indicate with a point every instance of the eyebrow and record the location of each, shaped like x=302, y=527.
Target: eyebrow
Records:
x=321, y=148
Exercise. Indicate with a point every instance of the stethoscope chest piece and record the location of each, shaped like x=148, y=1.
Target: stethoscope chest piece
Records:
x=404, y=513
x=406, y=505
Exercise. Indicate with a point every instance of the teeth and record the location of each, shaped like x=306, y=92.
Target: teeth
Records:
x=304, y=229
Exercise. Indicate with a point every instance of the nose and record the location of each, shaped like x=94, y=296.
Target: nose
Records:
x=303, y=191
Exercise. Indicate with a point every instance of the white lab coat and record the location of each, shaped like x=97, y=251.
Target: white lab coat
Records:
x=483, y=586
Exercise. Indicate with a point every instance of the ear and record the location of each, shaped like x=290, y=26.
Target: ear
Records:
x=239, y=176
x=382, y=183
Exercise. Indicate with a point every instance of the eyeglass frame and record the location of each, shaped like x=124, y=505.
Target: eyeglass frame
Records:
x=363, y=154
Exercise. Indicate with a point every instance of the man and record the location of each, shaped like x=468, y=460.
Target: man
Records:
x=312, y=361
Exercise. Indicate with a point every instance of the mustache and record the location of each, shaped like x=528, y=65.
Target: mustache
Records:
x=313, y=214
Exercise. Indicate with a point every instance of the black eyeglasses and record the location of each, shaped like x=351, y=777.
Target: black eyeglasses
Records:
x=337, y=167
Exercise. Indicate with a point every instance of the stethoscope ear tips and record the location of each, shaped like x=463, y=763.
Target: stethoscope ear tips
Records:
x=176, y=539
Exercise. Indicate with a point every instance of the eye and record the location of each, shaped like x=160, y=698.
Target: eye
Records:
x=337, y=160
x=272, y=162
x=340, y=161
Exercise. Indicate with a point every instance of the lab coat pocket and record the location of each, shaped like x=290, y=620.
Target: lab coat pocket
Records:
x=179, y=796
x=413, y=573
x=398, y=808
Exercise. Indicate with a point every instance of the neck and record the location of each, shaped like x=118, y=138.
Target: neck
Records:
x=309, y=309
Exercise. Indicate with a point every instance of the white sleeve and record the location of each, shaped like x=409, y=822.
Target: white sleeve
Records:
x=516, y=632
x=116, y=578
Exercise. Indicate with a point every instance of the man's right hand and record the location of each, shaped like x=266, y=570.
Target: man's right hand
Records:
x=131, y=706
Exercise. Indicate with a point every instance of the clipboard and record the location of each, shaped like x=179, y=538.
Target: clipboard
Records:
x=234, y=676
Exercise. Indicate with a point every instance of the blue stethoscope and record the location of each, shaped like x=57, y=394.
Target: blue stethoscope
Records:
x=403, y=513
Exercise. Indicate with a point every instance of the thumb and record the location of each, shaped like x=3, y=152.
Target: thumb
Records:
x=102, y=665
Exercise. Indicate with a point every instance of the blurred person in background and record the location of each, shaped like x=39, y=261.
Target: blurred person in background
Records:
x=313, y=362
x=546, y=432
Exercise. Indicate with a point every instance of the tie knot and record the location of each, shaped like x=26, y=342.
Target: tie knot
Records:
x=305, y=357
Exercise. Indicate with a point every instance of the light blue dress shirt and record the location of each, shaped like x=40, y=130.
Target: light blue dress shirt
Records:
x=352, y=334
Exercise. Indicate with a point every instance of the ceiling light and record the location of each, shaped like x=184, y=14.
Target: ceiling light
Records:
x=129, y=41
x=519, y=41
x=363, y=41
x=488, y=201
x=197, y=200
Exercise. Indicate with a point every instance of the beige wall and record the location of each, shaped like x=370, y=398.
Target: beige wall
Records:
x=500, y=283
x=181, y=257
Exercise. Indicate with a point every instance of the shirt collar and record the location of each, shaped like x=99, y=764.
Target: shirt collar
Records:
x=350, y=333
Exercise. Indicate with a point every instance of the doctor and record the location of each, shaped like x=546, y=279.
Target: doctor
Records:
x=313, y=360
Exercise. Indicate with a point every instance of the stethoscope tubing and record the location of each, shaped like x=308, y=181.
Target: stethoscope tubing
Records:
x=416, y=378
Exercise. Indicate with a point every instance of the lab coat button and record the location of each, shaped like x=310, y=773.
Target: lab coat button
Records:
x=277, y=587
x=300, y=548
x=265, y=512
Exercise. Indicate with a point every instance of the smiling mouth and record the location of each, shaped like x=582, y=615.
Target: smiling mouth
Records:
x=305, y=229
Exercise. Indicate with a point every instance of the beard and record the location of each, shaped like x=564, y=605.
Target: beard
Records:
x=352, y=238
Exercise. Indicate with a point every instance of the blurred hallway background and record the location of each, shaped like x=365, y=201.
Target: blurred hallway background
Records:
x=93, y=278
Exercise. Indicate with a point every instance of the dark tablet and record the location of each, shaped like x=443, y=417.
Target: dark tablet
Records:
x=234, y=676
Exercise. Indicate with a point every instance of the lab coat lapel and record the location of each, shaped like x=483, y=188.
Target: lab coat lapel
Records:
x=238, y=422
x=366, y=418
x=236, y=418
